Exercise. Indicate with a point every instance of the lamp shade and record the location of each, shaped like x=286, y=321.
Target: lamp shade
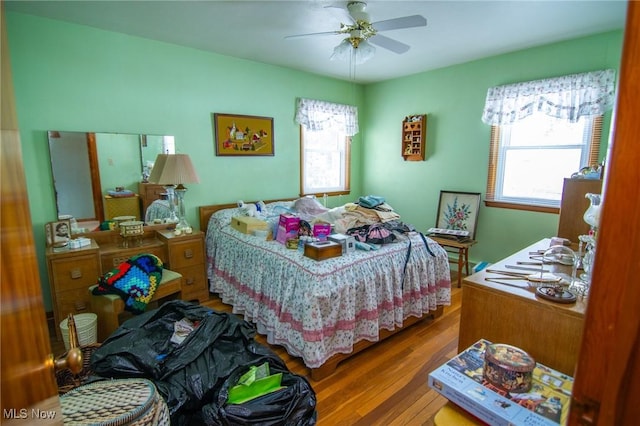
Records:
x=172, y=169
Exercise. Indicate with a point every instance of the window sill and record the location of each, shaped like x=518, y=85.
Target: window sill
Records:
x=329, y=194
x=527, y=207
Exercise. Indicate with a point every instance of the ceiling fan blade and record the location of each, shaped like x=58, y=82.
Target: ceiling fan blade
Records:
x=389, y=44
x=399, y=23
x=311, y=34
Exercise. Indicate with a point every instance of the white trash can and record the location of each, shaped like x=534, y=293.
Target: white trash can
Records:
x=86, y=327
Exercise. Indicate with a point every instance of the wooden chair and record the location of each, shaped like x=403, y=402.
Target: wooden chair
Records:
x=110, y=307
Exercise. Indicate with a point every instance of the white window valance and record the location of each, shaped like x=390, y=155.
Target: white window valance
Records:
x=569, y=97
x=320, y=115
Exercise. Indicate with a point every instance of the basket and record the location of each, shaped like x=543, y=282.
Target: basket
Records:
x=134, y=402
x=86, y=327
x=67, y=381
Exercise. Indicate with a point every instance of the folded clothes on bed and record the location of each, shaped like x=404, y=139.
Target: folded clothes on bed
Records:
x=370, y=201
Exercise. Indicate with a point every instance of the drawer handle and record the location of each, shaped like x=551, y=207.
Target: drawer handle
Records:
x=190, y=281
x=188, y=254
x=118, y=260
x=75, y=274
x=81, y=306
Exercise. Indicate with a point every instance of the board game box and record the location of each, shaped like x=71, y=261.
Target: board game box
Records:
x=461, y=381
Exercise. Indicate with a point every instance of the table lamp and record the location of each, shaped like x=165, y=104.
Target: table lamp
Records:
x=172, y=171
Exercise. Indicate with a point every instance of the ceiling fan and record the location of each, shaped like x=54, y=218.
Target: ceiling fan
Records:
x=362, y=33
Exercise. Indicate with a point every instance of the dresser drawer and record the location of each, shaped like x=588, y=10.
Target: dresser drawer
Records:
x=149, y=193
x=76, y=301
x=154, y=192
x=75, y=273
x=194, y=283
x=186, y=253
x=111, y=260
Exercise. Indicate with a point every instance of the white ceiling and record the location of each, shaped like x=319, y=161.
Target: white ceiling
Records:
x=456, y=31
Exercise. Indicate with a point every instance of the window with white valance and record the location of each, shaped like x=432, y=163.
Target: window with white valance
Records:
x=325, y=146
x=318, y=115
x=569, y=97
x=543, y=131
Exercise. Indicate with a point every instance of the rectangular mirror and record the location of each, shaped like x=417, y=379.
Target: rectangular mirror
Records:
x=87, y=165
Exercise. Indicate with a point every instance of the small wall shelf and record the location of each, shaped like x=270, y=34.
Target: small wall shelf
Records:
x=414, y=129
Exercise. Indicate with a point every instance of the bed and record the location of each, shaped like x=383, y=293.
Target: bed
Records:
x=323, y=311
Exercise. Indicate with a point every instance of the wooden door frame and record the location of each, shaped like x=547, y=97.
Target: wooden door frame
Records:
x=28, y=385
x=607, y=378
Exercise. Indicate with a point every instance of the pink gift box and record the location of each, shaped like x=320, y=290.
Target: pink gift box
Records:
x=287, y=227
x=321, y=230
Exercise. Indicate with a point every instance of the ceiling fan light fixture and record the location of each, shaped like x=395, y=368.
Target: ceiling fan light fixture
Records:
x=358, y=49
x=364, y=51
x=342, y=51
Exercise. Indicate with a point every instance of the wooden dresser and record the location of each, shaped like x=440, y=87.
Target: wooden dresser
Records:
x=512, y=314
x=73, y=271
x=149, y=192
x=571, y=223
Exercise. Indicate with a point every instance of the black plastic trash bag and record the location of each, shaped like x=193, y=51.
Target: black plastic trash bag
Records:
x=194, y=376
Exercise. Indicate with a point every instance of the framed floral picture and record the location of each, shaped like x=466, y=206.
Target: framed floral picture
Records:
x=458, y=211
x=243, y=135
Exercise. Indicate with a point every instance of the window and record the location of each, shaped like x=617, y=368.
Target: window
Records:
x=529, y=159
x=324, y=161
x=542, y=132
x=325, y=139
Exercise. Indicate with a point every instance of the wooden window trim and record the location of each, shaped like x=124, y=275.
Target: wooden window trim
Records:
x=347, y=180
x=494, y=147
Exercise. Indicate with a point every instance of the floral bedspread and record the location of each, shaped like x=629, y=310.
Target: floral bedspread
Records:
x=316, y=309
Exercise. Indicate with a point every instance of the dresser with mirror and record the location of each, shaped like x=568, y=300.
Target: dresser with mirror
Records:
x=72, y=271
x=89, y=169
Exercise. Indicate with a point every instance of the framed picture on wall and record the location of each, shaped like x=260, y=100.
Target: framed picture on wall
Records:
x=58, y=232
x=458, y=211
x=243, y=135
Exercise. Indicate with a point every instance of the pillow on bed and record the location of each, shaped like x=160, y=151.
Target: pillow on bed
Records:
x=308, y=208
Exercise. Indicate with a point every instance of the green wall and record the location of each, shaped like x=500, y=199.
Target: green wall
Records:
x=76, y=78
x=458, y=141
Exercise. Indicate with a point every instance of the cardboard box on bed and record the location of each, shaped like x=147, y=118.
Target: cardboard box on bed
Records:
x=321, y=250
x=247, y=224
x=347, y=241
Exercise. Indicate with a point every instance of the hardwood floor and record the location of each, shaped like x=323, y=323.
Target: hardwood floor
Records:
x=385, y=384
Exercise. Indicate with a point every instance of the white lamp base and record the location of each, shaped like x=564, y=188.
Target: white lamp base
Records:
x=182, y=225
x=171, y=197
